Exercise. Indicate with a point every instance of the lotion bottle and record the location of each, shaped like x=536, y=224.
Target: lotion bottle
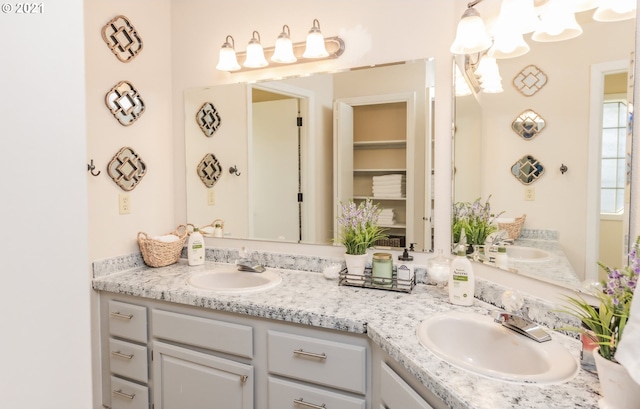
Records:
x=195, y=248
x=406, y=270
x=462, y=282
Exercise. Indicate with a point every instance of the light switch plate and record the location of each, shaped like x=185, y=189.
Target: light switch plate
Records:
x=211, y=197
x=124, y=203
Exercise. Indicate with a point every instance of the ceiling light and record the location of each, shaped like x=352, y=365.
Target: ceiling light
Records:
x=255, y=53
x=227, y=60
x=471, y=35
x=284, y=48
x=315, y=43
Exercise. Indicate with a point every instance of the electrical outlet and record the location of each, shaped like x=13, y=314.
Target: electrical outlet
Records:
x=529, y=193
x=211, y=197
x=124, y=203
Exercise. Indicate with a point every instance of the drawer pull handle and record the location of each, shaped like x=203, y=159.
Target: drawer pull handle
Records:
x=122, y=316
x=301, y=402
x=121, y=355
x=124, y=395
x=310, y=354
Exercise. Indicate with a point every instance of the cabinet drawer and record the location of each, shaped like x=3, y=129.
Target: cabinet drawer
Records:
x=128, y=395
x=290, y=395
x=128, y=321
x=397, y=394
x=319, y=361
x=128, y=360
x=203, y=332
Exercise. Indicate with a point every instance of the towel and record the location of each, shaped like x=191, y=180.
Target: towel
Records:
x=388, y=189
x=389, y=182
x=628, y=352
x=386, y=212
x=167, y=238
x=386, y=178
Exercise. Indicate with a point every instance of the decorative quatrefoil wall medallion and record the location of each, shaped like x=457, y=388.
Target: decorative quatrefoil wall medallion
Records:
x=122, y=38
x=530, y=80
x=208, y=118
x=124, y=102
x=127, y=169
x=209, y=170
x=528, y=125
x=527, y=170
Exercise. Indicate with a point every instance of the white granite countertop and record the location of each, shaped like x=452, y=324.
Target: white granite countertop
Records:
x=389, y=319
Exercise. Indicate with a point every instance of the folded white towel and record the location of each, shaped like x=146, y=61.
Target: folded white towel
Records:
x=386, y=178
x=389, y=182
x=381, y=191
x=628, y=352
x=386, y=222
x=167, y=238
x=386, y=212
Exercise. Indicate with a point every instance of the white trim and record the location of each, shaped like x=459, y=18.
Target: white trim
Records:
x=592, y=245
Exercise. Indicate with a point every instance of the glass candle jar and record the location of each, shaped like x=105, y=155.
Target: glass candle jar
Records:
x=382, y=269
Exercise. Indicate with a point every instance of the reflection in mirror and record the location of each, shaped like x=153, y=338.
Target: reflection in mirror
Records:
x=527, y=170
x=280, y=136
x=528, y=124
x=565, y=209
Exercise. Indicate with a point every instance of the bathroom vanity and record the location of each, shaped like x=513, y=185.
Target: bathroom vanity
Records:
x=306, y=342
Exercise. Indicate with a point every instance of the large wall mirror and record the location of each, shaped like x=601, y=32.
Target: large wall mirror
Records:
x=581, y=198
x=278, y=136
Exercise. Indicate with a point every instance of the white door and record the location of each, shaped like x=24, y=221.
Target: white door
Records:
x=343, y=157
x=274, y=171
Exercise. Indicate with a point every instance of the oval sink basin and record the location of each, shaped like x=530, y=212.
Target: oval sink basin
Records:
x=520, y=253
x=230, y=280
x=476, y=343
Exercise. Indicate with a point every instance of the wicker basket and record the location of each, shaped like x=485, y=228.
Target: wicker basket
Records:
x=158, y=253
x=513, y=228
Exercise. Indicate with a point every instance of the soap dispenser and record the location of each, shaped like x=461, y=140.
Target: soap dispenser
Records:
x=462, y=283
x=195, y=248
x=406, y=270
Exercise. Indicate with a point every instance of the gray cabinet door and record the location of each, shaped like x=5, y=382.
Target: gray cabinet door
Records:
x=184, y=378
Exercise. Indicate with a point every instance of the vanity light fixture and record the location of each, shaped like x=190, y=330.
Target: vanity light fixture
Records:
x=255, y=53
x=315, y=48
x=315, y=43
x=471, y=34
x=284, y=48
x=227, y=60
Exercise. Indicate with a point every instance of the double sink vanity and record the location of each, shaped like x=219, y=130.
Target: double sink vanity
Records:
x=211, y=336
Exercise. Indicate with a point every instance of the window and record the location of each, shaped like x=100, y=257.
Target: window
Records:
x=613, y=165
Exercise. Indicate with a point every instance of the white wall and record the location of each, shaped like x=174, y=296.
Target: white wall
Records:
x=45, y=343
x=110, y=233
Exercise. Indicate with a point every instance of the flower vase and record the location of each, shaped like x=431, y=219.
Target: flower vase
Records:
x=355, y=267
x=619, y=390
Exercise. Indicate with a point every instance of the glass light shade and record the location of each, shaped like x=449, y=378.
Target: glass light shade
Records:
x=557, y=23
x=520, y=14
x=315, y=46
x=471, y=35
x=462, y=88
x=227, y=60
x=615, y=10
x=255, y=54
x=507, y=38
x=283, y=52
x=584, y=5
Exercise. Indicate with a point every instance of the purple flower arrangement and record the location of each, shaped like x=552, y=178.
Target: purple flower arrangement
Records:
x=358, y=228
x=607, y=320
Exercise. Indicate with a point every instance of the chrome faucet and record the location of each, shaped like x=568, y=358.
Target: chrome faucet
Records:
x=246, y=264
x=520, y=325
